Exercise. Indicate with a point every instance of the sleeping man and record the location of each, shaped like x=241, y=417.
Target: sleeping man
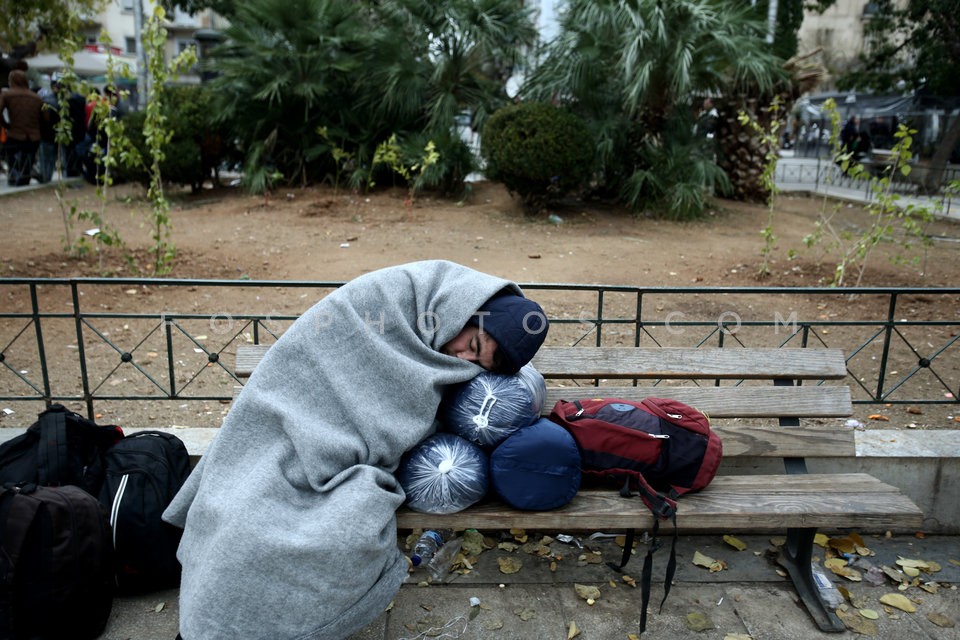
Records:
x=289, y=519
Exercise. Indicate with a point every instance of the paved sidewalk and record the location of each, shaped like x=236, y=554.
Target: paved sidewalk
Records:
x=807, y=175
x=7, y=190
x=748, y=598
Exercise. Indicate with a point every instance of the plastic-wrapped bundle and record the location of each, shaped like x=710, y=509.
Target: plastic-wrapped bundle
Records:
x=491, y=406
x=444, y=474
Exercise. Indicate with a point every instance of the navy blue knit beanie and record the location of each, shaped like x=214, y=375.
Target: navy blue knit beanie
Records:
x=519, y=326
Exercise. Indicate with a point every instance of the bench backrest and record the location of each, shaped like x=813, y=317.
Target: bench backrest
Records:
x=752, y=418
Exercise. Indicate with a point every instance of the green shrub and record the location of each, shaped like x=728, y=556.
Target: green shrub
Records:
x=538, y=151
x=194, y=149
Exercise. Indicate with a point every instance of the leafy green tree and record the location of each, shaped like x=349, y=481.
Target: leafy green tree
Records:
x=362, y=72
x=638, y=71
x=286, y=67
x=913, y=46
x=25, y=22
x=454, y=55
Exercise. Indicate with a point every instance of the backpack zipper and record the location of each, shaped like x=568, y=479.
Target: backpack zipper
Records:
x=115, y=507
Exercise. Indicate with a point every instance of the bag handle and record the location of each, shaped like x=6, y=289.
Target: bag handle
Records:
x=52, y=453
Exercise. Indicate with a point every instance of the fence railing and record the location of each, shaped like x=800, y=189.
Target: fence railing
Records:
x=820, y=174
x=108, y=344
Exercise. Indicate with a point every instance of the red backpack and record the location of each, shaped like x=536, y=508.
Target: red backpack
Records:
x=658, y=447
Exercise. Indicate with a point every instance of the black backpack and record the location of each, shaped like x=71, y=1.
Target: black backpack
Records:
x=60, y=448
x=144, y=471
x=56, y=564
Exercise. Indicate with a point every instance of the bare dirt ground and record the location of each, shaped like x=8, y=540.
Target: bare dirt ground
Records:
x=317, y=234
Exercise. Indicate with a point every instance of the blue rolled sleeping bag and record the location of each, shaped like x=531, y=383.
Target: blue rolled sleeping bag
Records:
x=536, y=468
x=444, y=474
x=489, y=407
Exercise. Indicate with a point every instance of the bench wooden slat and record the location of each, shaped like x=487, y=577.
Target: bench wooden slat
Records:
x=248, y=357
x=662, y=363
x=786, y=442
x=730, y=503
x=728, y=402
x=671, y=363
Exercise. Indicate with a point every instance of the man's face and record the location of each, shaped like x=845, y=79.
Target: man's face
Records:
x=474, y=345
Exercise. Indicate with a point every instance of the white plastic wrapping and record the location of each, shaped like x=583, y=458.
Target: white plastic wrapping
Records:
x=488, y=408
x=444, y=474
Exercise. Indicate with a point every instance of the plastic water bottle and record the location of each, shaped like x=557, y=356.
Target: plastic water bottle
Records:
x=443, y=559
x=829, y=593
x=428, y=545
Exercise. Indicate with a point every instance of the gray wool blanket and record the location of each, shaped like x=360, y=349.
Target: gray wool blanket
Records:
x=289, y=519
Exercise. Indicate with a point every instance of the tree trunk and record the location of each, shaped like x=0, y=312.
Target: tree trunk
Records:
x=939, y=161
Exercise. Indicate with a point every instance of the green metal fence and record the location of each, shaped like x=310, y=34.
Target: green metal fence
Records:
x=107, y=343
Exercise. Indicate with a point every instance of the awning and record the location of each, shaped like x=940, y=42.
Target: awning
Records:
x=85, y=63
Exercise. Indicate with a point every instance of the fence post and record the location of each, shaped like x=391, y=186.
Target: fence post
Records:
x=888, y=333
x=81, y=351
x=41, y=351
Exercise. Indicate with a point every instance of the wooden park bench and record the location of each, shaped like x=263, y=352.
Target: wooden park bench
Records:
x=754, y=421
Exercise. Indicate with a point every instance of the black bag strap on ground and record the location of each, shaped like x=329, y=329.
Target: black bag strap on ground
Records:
x=662, y=508
x=52, y=458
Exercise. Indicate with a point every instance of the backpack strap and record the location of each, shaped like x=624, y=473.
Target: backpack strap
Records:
x=52, y=453
x=663, y=507
x=16, y=516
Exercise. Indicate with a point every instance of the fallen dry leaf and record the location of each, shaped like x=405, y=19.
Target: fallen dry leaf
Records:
x=879, y=416
x=159, y=607
x=941, y=620
x=930, y=587
x=510, y=564
x=525, y=614
x=572, y=631
x=840, y=568
x=473, y=543
x=843, y=545
x=869, y=614
x=914, y=564
x=587, y=592
x=734, y=542
x=894, y=574
x=821, y=539
x=697, y=621
x=737, y=636
x=857, y=623
x=705, y=561
x=898, y=601
x=630, y=581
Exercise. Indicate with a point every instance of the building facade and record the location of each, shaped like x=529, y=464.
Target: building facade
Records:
x=840, y=34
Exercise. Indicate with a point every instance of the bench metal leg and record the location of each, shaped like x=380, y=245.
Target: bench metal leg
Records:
x=795, y=558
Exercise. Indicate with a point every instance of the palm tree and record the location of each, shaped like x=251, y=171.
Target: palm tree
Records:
x=287, y=67
x=440, y=59
x=362, y=72
x=655, y=60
